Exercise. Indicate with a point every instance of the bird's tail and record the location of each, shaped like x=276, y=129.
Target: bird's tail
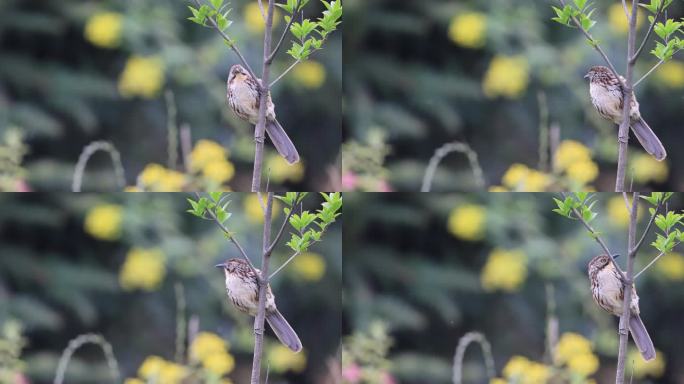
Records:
x=648, y=139
x=641, y=338
x=281, y=141
x=283, y=330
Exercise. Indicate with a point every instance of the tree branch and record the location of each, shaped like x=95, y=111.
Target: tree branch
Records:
x=594, y=44
x=627, y=285
x=282, y=227
x=291, y=67
x=231, y=44
x=648, y=34
x=263, y=287
x=627, y=94
x=598, y=239
x=282, y=37
x=648, y=228
x=658, y=64
x=264, y=92
x=289, y=259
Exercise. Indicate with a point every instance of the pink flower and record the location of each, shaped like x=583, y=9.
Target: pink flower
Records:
x=352, y=373
x=21, y=186
x=383, y=186
x=349, y=181
x=388, y=379
x=20, y=379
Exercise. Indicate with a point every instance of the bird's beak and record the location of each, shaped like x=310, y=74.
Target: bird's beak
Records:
x=615, y=256
x=222, y=265
x=586, y=76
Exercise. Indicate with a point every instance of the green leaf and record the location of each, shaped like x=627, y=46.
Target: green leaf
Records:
x=216, y=3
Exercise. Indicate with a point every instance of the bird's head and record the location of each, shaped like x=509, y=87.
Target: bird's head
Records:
x=597, y=72
x=236, y=70
x=232, y=265
x=599, y=262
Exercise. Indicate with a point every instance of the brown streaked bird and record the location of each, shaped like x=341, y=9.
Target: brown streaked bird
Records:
x=606, y=96
x=607, y=290
x=243, y=292
x=243, y=99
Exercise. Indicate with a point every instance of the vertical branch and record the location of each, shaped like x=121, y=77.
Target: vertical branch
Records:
x=263, y=287
x=627, y=285
x=627, y=90
x=264, y=91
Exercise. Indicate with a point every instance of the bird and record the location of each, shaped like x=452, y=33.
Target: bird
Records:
x=606, y=95
x=607, y=291
x=243, y=99
x=243, y=291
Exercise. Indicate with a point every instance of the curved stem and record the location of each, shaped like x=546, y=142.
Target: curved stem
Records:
x=84, y=157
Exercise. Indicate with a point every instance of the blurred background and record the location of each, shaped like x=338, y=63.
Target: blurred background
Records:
x=423, y=270
x=503, y=78
x=139, y=270
x=134, y=74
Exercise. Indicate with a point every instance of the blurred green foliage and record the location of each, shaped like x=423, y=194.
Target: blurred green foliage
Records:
x=63, y=274
x=77, y=71
x=497, y=75
x=433, y=267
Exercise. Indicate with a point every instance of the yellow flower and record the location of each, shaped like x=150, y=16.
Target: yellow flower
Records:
x=507, y=76
x=254, y=21
x=570, y=152
x=498, y=380
x=310, y=74
x=519, y=177
x=104, y=221
x=584, y=364
x=219, y=171
x=671, y=266
x=155, y=177
x=583, y=172
x=618, y=20
x=671, y=74
x=645, y=168
x=281, y=359
x=220, y=363
x=571, y=344
x=504, y=270
x=207, y=344
x=537, y=373
x=151, y=366
x=206, y=152
x=104, y=29
x=132, y=188
x=133, y=381
x=309, y=266
x=469, y=29
x=142, y=76
x=497, y=188
x=516, y=367
x=143, y=268
x=253, y=208
x=467, y=222
x=281, y=171
x=654, y=368
x=617, y=211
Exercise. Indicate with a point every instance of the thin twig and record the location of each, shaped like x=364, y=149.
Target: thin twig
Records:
x=78, y=342
x=463, y=343
x=282, y=226
x=180, y=323
x=231, y=44
x=658, y=64
x=648, y=33
x=171, y=130
x=284, y=264
x=543, y=131
x=594, y=43
x=282, y=37
x=648, y=228
x=84, y=157
x=598, y=239
x=442, y=152
x=186, y=146
x=285, y=72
